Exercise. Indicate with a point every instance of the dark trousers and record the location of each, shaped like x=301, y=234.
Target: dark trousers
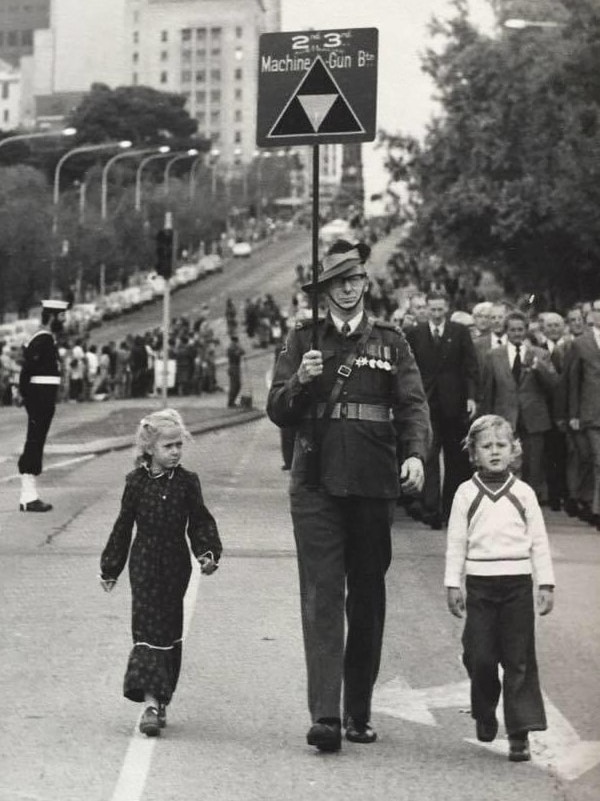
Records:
x=533, y=461
x=556, y=465
x=344, y=551
x=448, y=436
x=500, y=630
x=235, y=384
x=40, y=407
x=287, y=438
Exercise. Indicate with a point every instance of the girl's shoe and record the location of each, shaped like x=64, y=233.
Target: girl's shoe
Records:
x=162, y=715
x=149, y=722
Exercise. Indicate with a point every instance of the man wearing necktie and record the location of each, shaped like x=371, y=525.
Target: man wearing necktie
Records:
x=446, y=358
x=360, y=413
x=518, y=381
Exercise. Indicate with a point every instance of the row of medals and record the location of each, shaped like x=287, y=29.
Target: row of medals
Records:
x=374, y=364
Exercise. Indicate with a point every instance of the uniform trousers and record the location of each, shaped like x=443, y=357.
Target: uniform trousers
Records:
x=448, y=436
x=40, y=406
x=344, y=551
x=500, y=630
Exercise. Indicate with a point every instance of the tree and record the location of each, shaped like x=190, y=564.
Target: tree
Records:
x=507, y=175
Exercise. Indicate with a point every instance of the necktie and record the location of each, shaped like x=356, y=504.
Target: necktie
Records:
x=436, y=335
x=499, y=342
x=516, y=368
x=345, y=329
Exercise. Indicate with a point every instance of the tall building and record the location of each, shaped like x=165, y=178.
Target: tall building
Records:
x=206, y=50
x=18, y=21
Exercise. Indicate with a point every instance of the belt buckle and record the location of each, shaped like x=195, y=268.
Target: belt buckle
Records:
x=344, y=370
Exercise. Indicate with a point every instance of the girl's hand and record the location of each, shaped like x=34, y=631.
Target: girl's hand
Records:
x=107, y=585
x=208, y=564
x=545, y=600
x=456, y=602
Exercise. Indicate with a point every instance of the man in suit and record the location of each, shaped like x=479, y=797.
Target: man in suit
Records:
x=518, y=381
x=446, y=358
x=584, y=396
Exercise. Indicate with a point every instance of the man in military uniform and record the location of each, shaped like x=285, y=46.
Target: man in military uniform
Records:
x=362, y=429
x=39, y=383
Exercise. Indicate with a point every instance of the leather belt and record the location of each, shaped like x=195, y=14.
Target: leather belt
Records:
x=357, y=411
x=45, y=379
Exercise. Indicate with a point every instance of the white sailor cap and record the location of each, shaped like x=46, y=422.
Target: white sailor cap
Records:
x=55, y=305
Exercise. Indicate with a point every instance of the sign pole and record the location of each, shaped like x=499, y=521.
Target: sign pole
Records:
x=315, y=245
x=167, y=317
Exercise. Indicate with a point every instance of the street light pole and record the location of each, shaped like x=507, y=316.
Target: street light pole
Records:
x=188, y=154
x=108, y=165
x=163, y=152
x=41, y=135
x=194, y=175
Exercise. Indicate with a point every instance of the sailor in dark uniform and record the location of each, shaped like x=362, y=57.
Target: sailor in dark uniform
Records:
x=358, y=406
x=39, y=383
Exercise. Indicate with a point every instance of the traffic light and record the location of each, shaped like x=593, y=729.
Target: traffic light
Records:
x=164, y=252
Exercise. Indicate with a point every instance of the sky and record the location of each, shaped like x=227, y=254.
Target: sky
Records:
x=404, y=93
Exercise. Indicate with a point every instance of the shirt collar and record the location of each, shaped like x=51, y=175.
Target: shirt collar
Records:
x=353, y=322
x=440, y=328
x=512, y=349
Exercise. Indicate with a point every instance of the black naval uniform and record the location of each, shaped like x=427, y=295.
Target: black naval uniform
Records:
x=342, y=529
x=38, y=383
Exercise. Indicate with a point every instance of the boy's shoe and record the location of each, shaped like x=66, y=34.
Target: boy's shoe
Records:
x=162, y=715
x=518, y=748
x=486, y=730
x=35, y=506
x=326, y=735
x=149, y=722
x=359, y=731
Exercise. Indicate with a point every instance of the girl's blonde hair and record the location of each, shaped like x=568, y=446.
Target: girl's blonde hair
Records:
x=484, y=423
x=151, y=427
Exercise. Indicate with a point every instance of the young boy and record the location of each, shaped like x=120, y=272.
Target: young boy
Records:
x=497, y=537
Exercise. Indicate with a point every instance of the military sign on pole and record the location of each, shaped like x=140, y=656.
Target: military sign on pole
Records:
x=317, y=87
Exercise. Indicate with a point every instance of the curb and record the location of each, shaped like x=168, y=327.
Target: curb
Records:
x=101, y=446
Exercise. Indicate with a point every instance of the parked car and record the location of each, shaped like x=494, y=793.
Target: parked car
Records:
x=212, y=263
x=242, y=249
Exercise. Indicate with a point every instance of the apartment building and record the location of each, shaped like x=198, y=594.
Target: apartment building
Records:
x=10, y=96
x=19, y=19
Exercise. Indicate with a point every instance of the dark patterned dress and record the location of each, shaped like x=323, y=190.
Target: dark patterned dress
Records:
x=162, y=508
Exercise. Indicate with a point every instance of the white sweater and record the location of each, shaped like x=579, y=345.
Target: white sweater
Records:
x=497, y=533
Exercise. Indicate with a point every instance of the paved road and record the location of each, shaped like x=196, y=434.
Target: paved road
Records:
x=237, y=726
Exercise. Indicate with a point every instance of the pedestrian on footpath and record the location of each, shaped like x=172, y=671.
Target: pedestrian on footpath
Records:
x=362, y=423
x=39, y=383
x=165, y=502
x=235, y=354
x=497, y=537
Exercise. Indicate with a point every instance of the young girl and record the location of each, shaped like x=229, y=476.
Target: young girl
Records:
x=497, y=536
x=162, y=499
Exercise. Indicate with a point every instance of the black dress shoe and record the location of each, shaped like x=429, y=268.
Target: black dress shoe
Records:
x=325, y=735
x=35, y=506
x=518, y=748
x=433, y=521
x=358, y=731
x=571, y=508
x=486, y=730
x=149, y=722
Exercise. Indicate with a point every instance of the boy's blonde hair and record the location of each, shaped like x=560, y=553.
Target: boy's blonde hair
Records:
x=151, y=427
x=484, y=423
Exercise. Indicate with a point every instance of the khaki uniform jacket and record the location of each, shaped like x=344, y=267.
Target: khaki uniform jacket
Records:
x=357, y=457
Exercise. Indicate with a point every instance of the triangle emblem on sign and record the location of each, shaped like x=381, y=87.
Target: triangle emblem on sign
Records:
x=318, y=106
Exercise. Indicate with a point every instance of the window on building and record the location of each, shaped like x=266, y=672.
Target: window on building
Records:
x=27, y=38
x=188, y=96
x=1, y=38
x=201, y=117
x=215, y=34
x=134, y=78
x=215, y=96
x=13, y=39
x=164, y=55
x=164, y=36
x=186, y=76
x=6, y=115
x=135, y=58
x=201, y=98
x=186, y=56
x=164, y=77
x=215, y=117
x=136, y=17
x=201, y=34
x=186, y=34
x=215, y=136
x=201, y=53
x=5, y=90
x=215, y=51
x=238, y=74
x=239, y=32
x=237, y=137
x=200, y=76
x=238, y=94
x=238, y=115
x=215, y=75
x=136, y=37
x=239, y=54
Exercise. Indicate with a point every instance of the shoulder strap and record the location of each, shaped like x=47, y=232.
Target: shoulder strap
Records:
x=345, y=370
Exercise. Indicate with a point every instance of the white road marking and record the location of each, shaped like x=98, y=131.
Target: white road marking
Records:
x=56, y=466
x=559, y=749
